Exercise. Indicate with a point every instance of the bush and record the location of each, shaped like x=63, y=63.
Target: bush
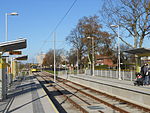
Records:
x=50, y=71
x=101, y=67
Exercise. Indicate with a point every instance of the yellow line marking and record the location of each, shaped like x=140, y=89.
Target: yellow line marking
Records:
x=51, y=102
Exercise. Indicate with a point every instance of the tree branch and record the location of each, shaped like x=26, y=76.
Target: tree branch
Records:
x=126, y=42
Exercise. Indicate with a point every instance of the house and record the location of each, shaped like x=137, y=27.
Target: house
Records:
x=104, y=60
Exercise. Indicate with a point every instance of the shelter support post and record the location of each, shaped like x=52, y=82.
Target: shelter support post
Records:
x=3, y=79
x=9, y=75
x=14, y=69
x=138, y=63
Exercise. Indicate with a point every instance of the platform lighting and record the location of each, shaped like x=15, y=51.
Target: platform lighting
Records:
x=77, y=61
x=6, y=21
x=54, y=40
x=92, y=54
x=119, y=76
x=77, y=57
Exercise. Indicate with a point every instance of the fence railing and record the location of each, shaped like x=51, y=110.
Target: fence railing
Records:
x=125, y=75
x=75, y=72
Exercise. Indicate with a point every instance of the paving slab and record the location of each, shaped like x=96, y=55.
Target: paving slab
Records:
x=27, y=96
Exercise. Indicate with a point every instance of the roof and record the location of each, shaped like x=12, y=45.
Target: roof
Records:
x=139, y=51
x=13, y=45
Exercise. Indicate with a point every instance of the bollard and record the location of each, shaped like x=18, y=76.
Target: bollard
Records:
x=3, y=79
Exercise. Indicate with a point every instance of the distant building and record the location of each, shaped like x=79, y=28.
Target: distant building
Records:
x=40, y=58
x=104, y=60
x=63, y=58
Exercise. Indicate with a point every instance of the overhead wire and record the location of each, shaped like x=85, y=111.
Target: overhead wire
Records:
x=58, y=24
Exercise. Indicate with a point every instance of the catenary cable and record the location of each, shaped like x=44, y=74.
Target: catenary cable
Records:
x=58, y=24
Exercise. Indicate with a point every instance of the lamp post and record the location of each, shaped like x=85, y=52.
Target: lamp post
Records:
x=78, y=56
x=93, y=63
x=77, y=62
x=6, y=22
x=119, y=75
x=54, y=59
x=6, y=26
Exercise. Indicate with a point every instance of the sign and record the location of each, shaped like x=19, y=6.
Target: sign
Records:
x=15, y=52
x=22, y=58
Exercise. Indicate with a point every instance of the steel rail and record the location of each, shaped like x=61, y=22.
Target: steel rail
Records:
x=97, y=99
x=107, y=95
x=68, y=98
x=114, y=97
x=74, y=95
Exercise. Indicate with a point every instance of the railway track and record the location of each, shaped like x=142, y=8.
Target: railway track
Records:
x=62, y=96
x=88, y=100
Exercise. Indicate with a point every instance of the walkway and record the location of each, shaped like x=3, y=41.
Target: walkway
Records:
x=27, y=96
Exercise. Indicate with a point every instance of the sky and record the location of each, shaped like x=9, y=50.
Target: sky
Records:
x=38, y=18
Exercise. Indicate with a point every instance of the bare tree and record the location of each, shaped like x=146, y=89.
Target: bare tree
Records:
x=90, y=27
x=49, y=57
x=72, y=57
x=75, y=39
x=133, y=17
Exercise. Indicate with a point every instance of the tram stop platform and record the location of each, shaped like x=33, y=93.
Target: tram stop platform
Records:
x=26, y=95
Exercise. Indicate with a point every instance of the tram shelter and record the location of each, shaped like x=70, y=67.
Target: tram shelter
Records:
x=6, y=47
x=139, y=52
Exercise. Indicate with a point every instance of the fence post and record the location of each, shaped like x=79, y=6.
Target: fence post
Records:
x=111, y=73
x=131, y=75
x=107, y=73
x=123, y=74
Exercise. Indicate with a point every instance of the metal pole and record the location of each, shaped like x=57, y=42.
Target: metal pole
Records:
x=11, y=69
x=93, y=55
x=6, y=22
x=6, y=36
x=6, y=26
x=54, y=61
x=77, y=57
x=77, y=62
x=119, y=55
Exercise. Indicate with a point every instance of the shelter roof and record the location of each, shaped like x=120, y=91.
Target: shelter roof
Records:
x=139, y=51
x=13, y=45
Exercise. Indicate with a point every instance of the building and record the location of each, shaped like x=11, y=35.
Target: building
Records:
x=40, y=58
x=104, y=60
